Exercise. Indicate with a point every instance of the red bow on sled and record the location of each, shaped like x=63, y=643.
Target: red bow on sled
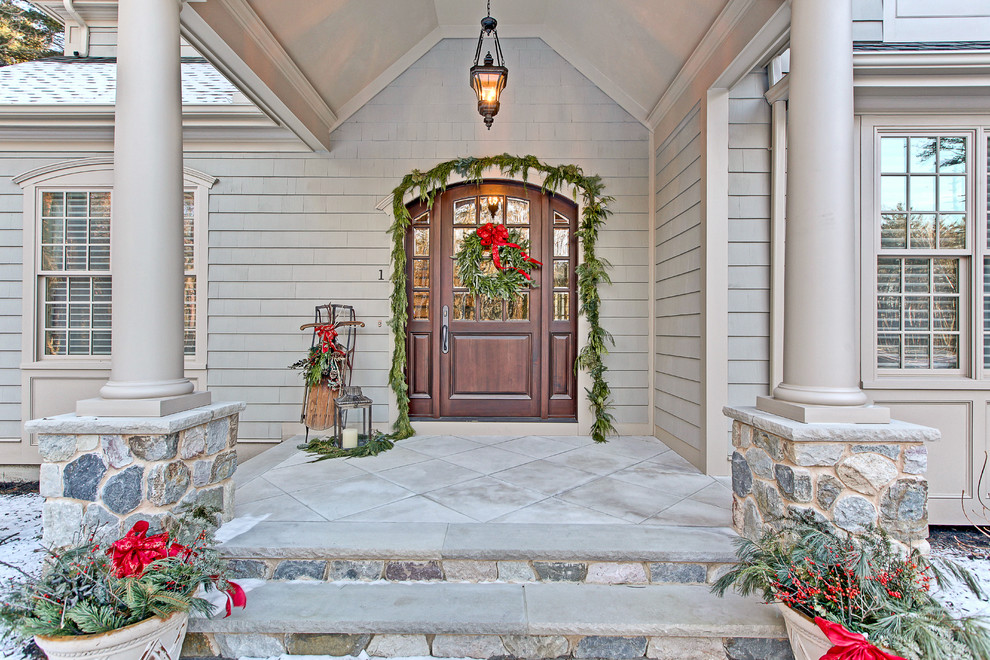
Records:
x=850, y=645
x=328, y=338
x=135, y=551
x=495, y=236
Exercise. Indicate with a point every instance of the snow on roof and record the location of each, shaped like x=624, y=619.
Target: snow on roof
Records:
x=92, y=81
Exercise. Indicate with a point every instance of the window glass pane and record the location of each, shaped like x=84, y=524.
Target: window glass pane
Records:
x=519, y=307
x=946, y=275
x=101, y=342
x=491, y=309
x=78, y=342
x=421, y=273
x=923, y=150
x=465, y=212
x=945, y=352
x=76, y=257
x=99, y=257
x=101, y=316
x=893, y=154
x=561, y=273
x=952, y=193
x=922, y=231
x=79, y=316
x=893, y=193
x=55, y=316
x=952, y=154
x=99, y=231
x=53, y=204
x=56, y=289
x=916, y=313
x=76, y=204
x=945, y=314
x=99, y=204
x=421, y=242
x=55, y=342
x=889, y=313
x=916, y=351
x=76, y=230
x=888, y=275
x=188, y=316
x=952, y=232
x=922, y=193
x=889, y=351
x=188, y=225
x=916, y=275
x=52, y=257
x=101, y=289
x=893, y=231
x=561, y=306
x=421, y=305
x=518, y=212
x=561, y=244
x=53, y=230
x=463, y=306
x=79, y=289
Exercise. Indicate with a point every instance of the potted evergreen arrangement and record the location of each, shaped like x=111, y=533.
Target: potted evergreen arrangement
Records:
x=856, y=596
x=125, y=600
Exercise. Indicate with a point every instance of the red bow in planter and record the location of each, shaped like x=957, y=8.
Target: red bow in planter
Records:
x=135, y=551
x=495, y=236
x=850, y=645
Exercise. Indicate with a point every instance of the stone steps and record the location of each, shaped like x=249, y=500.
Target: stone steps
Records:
x=481, y=552
x=535, y=620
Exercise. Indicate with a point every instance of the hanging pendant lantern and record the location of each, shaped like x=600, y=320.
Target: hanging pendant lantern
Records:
x=488, y=79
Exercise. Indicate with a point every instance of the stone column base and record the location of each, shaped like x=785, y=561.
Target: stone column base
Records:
x=106, y=473
x=852, y=475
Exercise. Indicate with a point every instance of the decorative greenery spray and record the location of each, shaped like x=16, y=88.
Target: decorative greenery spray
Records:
x=591, y=273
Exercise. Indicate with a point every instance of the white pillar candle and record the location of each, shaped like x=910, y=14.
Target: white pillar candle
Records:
x=349, y=438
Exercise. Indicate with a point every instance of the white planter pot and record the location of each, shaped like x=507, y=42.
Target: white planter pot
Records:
x=151, y=639
x=808, y=642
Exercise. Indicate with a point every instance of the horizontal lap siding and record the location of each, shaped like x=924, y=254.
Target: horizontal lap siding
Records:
x=677, y=380
x=749, y=241
x=868, y=20
x=292, y=231
x=11, y=273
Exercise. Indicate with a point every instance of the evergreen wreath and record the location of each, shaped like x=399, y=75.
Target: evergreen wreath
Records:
x=591, y=273
x=507, y=276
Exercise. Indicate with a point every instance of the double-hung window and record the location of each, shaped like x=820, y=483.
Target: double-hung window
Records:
x=927, y=255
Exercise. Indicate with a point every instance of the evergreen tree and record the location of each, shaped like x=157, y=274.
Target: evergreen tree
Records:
x=26, y=33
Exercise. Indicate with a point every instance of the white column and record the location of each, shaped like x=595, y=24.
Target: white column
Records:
x=821, y=363
x=146, y=228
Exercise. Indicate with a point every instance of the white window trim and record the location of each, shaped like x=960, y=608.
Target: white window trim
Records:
x=97, y=174
x=972, y=374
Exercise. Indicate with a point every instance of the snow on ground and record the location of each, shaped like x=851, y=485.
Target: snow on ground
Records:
x=20, y=519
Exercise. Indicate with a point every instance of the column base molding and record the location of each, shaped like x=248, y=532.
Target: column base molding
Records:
x=157, y=407
x=807, y=414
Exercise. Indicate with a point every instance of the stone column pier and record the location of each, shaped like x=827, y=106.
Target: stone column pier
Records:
x=854, y=475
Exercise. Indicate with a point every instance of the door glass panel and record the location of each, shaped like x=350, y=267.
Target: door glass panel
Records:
x=523, y=233
x=561, y=245
x=421, y=305
x=491, y=309
x=492, y=210
x=561, y=273
x=519, y=307
x=559, y=219
x=463, y=306
x=465, y=212
x=422, y=242
x=518, y=212
x=459, y=236
x=421, y=273
x=561, y=306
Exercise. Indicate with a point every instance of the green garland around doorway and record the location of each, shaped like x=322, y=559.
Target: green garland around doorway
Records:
x=591, y=273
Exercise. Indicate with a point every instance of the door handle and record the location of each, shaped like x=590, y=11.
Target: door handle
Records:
x=445, y=330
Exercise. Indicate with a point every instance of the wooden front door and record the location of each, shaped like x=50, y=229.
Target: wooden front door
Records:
x=489, y=358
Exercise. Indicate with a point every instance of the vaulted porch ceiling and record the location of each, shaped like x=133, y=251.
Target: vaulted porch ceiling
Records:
x=323, y=59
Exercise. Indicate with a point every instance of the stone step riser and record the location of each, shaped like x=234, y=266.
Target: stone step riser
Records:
x=268, y=644
x=479, y=571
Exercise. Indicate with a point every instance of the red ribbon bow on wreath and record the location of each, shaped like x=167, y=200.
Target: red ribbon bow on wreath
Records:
x=495, y=236
x=850, y=645
x=135, y=551
x=328, y=338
